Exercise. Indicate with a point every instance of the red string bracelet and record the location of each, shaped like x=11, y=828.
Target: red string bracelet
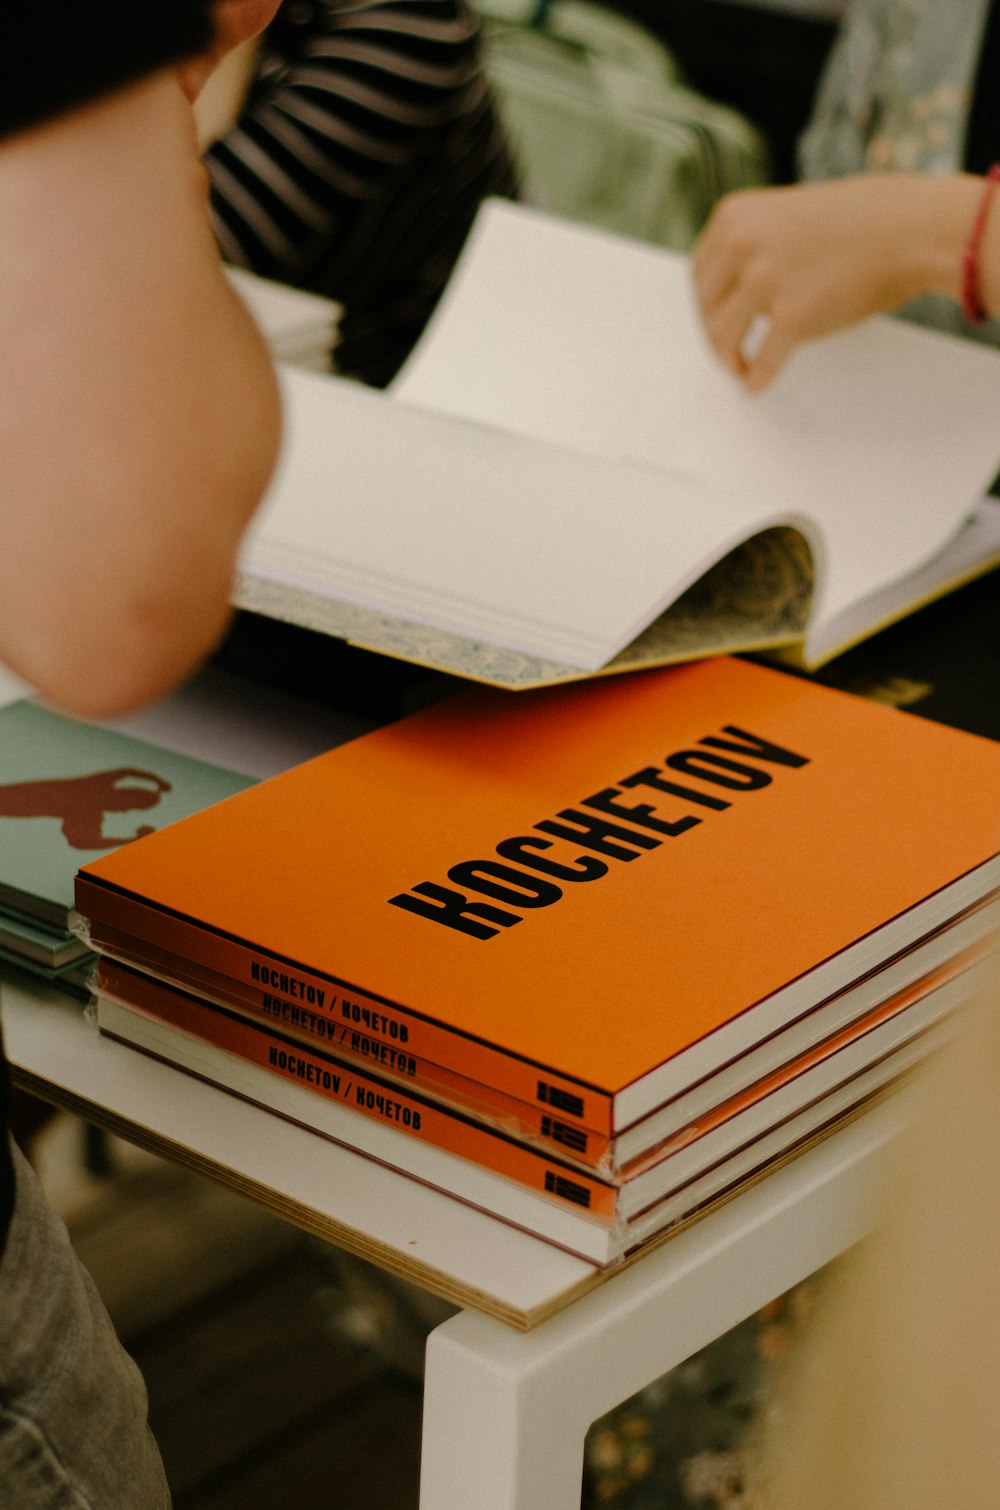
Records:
x=972, y=307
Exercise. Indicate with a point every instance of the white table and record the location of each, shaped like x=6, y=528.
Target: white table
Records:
x=545, y=1344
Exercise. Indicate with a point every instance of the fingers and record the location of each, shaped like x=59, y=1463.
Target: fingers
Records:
x=732, y=326
x=750, y=340
x=715, y=264
x=733, y=290
x=813, y=258
x=764, y=361
x=738, y=319
x=756, y=280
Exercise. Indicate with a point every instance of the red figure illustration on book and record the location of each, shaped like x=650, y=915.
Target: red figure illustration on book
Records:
x=81, y=802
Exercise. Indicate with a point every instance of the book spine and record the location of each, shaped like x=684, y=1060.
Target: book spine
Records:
x=161, y=939
x=381, y=1099
x=531, y=1124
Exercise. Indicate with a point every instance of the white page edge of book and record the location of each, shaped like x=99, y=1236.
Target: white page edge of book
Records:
x=937, y=950
x=827, y=979
x=761, y=1019
x=971, y=552
x=498, y=1194
x=474, y=586
x=498, y=373
x=953, y=947
x=839, y=1067
x=773, y=1148
x=501, y=1198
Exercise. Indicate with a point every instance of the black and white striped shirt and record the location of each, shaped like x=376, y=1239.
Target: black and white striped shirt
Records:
x=365, y=145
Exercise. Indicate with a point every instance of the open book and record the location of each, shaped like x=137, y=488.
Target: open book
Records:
x=564, y=481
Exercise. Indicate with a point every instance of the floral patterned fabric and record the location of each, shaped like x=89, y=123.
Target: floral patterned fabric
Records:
x=690, y=1441
x=895, y=97
x=896, y=92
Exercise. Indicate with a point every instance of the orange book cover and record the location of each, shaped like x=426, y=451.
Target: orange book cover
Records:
x=372, y=1096
x=606, y=890
x=521, y=1119
x=876, y=1045
x=888, y=990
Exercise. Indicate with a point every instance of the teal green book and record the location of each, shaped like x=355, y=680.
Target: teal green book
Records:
x=33, y=944
x=71, y=791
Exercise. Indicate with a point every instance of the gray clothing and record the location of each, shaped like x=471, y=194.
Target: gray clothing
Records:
x=73, y=1428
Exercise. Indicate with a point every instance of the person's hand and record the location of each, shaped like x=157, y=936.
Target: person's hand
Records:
x=236, y=21
x=775, y=267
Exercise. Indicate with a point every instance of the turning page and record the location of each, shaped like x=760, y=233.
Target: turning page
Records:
x=884, y=435
x=389, y=510
x=562, y=459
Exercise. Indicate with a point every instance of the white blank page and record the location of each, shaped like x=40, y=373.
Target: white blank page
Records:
x=886, y=434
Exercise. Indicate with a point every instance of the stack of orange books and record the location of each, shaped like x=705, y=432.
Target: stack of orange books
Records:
x=588, y=958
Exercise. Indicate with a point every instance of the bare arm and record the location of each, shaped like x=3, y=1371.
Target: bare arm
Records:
x=139, y=416
x=815, y=257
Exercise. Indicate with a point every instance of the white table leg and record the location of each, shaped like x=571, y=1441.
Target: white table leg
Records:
x=506, y=1413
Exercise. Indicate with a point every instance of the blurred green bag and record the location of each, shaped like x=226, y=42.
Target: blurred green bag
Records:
x=603, y=126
